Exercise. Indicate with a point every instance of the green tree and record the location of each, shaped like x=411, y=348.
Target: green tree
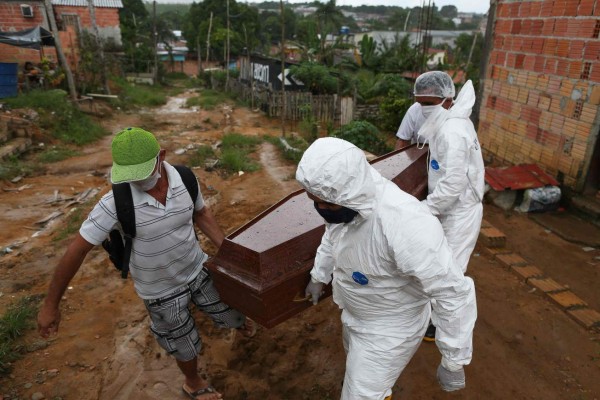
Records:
x=449, y=11
x=365, y=136
x=244, y=22
x=316, y=77
x=329, y=19
x=465, y=48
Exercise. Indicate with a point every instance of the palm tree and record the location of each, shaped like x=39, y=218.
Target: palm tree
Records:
x=328, y=21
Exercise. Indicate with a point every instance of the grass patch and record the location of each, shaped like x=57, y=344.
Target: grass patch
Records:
x=201, y=155
x=294, y=141
x=13, y=324
x=208, y=99
x=235, y=151
x=11, y=167
x=234, y=160
x=140, y=95
x=74, y=220
x=56, y=153
x=240, y=141
x=59, y=116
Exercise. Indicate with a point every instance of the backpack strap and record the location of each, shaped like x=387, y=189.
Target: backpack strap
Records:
x=126, y=217
x=191, y=184
x=189, y=180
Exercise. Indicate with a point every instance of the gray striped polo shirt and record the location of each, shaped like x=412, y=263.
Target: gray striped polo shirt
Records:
x=165, y=254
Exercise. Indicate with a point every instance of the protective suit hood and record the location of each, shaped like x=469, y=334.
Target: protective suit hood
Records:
x=337, y=171
x=462, y=107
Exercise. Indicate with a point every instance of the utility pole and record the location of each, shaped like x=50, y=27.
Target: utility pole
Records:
x=283, y=102
x=199, y=54
x=250, y=66
x=59, y=50
x=208, y=36
x=103, y=75
x=155, y=41
x=406, y=20
x=227, y=52
x=472, y=48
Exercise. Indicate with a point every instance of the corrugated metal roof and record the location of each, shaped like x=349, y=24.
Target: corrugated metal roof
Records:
x=524, y=176
x=84, y=3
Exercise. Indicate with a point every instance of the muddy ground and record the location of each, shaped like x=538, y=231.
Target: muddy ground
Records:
x=525, y=346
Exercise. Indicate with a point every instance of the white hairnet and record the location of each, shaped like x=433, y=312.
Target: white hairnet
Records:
x=337, y=171
x=434, y=83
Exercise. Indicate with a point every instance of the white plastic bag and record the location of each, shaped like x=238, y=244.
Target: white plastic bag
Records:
x=540, y=199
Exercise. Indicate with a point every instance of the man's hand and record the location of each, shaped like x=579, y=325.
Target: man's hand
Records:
x=314, y=290
x=451, y=380
x=48, y=320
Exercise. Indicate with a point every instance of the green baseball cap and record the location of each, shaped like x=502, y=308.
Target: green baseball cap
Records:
x=134, y=152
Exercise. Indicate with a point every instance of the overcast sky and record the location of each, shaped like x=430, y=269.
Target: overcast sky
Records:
x=478, y=6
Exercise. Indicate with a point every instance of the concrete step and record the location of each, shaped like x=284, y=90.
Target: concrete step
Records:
x=587, y=206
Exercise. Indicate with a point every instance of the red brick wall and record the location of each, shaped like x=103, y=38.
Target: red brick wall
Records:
x=105, y=17
x=11, y=19
x=542, y=90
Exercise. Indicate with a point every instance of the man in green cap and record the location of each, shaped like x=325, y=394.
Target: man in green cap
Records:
x=166, y=263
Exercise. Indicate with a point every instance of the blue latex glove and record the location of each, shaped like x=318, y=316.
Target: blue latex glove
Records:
x=314, y=290
x=451, y=380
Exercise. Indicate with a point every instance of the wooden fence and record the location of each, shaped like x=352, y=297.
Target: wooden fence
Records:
x=327, y=109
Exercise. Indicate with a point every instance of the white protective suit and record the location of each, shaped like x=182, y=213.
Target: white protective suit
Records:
x=399, y=247
x=456, y=174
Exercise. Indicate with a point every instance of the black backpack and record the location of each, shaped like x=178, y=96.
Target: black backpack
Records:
x=119, y=248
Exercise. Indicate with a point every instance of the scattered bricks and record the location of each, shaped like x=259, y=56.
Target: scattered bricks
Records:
x=494, y=252
x=545, y=284
x=527, y=271
x=508, y=260
x=492, y=237
x=567, y=300
x=586, y=317
x=485, y=224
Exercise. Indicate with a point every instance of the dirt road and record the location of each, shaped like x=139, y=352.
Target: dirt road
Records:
x=525, y=346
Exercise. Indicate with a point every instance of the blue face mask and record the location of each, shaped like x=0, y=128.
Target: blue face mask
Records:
x=341, y=216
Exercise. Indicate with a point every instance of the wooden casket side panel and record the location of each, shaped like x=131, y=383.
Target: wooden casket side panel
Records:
x=263, y=267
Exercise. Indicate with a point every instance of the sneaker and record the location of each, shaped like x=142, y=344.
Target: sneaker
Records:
x=430, y=333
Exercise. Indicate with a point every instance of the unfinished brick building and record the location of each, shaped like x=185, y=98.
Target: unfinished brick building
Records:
x=541, y=97
x=71, y=15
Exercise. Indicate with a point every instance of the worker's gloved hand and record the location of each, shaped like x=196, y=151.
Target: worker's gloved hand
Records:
x=451, y=380
x=314, y=290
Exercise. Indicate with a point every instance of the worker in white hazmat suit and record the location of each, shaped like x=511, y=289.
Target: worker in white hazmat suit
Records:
x=388, y=258
x=455, y=169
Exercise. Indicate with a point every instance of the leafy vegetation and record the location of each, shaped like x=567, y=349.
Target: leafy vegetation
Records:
x=59, y=116
x=364, y=135
x=13, y=324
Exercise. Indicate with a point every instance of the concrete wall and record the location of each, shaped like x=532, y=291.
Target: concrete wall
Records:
x=541, y=94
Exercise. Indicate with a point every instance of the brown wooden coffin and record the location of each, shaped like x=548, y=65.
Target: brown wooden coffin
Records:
x=263, y=267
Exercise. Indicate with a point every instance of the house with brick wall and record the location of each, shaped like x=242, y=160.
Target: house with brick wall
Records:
x=541, y=93
x=72, y=16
